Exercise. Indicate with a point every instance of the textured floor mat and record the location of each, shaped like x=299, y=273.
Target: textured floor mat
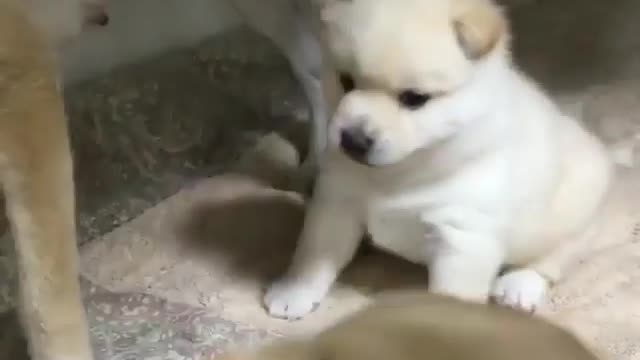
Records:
x=134, y=326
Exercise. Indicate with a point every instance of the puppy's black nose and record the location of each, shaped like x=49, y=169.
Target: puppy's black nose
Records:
x=355, y=142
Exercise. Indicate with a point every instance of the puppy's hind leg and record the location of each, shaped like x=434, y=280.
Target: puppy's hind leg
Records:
x=466, y=257
x=305, y=57
x=525, y=288
x=521, y=289
x=581, y=204
x=302, y=49
x=290, y=28
x=38, y=182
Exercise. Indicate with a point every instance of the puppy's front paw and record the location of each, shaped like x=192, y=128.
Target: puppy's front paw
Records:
x=291, y=300
x=523, y=289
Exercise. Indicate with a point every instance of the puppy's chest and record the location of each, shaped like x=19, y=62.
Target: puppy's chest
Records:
x=398, y=229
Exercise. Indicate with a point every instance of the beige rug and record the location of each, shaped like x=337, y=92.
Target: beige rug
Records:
x=215, y=245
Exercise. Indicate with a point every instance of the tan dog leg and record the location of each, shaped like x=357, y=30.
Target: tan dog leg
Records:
x=40, y=202
x=36, y=172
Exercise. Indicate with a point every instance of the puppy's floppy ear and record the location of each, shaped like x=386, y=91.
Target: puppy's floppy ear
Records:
x=479, y=25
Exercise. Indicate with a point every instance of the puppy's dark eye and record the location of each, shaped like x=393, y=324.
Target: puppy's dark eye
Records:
x=347, y=82
x=412, y=100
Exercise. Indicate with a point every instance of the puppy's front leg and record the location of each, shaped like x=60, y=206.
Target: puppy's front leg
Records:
x=330, y=237
x=38, y=181
x=466, y=256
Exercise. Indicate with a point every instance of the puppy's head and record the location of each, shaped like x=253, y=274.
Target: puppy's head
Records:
x=63, y=20
x=400, y=67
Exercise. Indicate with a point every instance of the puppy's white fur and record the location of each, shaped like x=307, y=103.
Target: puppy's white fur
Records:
x=486, y=173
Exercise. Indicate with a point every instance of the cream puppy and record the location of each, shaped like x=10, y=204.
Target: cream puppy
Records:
x=446, y=154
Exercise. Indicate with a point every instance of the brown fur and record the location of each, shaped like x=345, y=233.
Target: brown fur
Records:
x=36, y=175
x=415, y=326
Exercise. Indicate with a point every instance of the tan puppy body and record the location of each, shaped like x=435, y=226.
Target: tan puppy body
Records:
x=36, y=174
x=446, y=154
x=419, y=327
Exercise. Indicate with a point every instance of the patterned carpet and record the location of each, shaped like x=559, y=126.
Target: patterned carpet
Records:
x=130, y=326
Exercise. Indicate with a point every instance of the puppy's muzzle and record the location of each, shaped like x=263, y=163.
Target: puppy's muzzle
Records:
x=356, y=143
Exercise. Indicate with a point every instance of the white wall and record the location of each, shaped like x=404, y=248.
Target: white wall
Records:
x=142, y=28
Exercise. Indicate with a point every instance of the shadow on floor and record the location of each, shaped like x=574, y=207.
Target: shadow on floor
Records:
x=255, y=235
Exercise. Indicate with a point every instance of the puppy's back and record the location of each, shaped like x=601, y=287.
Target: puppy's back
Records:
x=424, y=326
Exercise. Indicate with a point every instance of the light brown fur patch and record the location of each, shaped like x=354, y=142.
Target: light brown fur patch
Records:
x=417, y=326
x=479, y=25
x=36, y=175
